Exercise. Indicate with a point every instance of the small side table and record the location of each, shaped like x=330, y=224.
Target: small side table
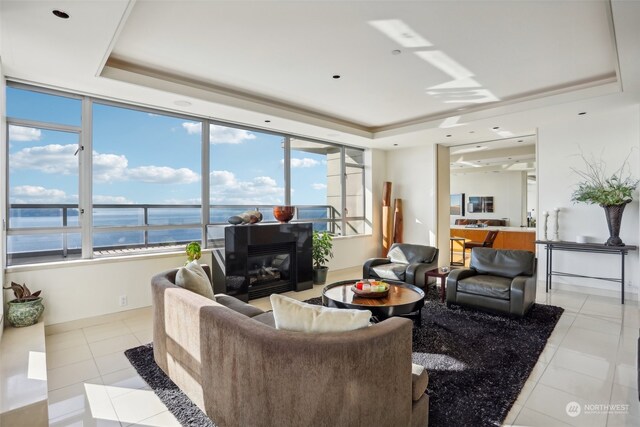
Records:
x=438, y=273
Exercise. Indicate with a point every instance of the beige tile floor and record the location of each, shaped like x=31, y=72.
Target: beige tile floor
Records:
x=589, y=359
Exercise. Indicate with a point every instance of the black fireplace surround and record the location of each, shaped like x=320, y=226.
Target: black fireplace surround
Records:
x=263, y=259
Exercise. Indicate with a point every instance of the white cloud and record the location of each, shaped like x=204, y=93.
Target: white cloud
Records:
x=54, y=159
x=110, y=200
x=227, y=189
x=21, y=133
x=220, y=134
x=162, y=175
x=109, y=167
x=192, y=128
x=319, y=186
x=225, y=135
x=38, y=194
x=302, y=163
x=60, y=160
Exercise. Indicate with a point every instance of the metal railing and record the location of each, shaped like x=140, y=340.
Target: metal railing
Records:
x=145, y=220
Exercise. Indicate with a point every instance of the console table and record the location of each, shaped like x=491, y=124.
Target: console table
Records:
x=552, y=246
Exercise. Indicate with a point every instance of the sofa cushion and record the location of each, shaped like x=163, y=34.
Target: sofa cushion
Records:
x=293, y=315
x=192, y=277
x=266, y=318
x=505, y=263
x=238, y=306
x=489, y=286
x=419, y=381
x=391, y=271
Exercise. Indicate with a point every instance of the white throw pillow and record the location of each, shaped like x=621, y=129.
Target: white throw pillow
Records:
x=192, y=277
x=293, y=315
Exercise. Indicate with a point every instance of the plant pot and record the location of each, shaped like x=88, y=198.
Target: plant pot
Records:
x=24, y=313
x=320, y=275
x=613, y=214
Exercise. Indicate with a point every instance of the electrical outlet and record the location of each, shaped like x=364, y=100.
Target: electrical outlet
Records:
x=123, y=300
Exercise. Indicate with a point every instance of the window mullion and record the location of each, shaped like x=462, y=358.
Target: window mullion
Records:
x=287, y=171
x=206, y=182
x=85, y=202
x=343, y=183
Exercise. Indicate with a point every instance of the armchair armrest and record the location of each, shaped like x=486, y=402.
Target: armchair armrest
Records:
x=414, y=274
x=372, y=262
x=523, y=294
x=452, y=281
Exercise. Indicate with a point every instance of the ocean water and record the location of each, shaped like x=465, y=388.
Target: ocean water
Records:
x=104, y=218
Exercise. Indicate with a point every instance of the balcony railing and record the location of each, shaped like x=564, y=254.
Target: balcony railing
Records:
x=52, y=231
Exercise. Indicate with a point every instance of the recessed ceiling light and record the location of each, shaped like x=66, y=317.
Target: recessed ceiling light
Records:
x=448, y=136
x=336, y=76
x=396, y=52
x=477, y=161
x=509, y=158
x=517, y=161
x=582, y=113
x=182, y=103
x=496, y=127
x=520, y=140
x=267, y=121
x=472, y=131
x=60, y=14
x=395, y=145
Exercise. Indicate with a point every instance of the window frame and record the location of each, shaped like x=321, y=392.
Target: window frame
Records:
x=85, y=204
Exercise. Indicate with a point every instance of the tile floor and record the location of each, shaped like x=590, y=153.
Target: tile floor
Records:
x=589, y=359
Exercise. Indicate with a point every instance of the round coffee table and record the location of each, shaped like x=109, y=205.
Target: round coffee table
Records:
x=403, y=300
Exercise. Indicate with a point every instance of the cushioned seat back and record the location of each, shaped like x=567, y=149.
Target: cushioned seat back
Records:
x=409, y=254
x=505, y=263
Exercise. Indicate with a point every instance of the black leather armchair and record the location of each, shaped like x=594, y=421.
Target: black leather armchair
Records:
x=405, y=262
x=502, y=281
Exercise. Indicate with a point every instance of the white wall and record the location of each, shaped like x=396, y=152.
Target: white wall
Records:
x=412, y=174
x=610, y=136
x=505, y=187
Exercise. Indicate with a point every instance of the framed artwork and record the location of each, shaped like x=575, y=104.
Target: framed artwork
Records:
x=480, y=204
x=456, y=204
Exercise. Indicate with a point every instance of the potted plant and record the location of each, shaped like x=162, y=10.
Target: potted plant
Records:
x=194, y=252
x=322, y=251
x=612, y=193
x=26, y=308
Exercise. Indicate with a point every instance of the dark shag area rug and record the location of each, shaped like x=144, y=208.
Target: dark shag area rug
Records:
x=477, y=363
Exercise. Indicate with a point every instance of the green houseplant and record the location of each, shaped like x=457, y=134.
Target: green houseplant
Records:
x=322, y=252
x=194, y=252
x=610, y=192
x=26, y=308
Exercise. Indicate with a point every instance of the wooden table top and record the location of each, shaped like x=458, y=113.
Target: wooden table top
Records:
x=398, y=295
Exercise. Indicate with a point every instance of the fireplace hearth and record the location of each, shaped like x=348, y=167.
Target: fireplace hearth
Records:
x=263, y=259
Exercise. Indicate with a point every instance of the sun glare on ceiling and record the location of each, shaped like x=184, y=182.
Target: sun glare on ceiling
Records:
x=400, y=32
x=445, y=63
x=461, y=89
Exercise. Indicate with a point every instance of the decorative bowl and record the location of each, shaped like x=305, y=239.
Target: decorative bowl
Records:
x=284, y=214
x=371, y=294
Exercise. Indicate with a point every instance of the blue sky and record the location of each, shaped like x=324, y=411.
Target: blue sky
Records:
x=149, y=158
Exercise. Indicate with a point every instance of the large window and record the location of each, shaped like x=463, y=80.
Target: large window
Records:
x=316, y=187
x=146, y=179
x=92, y=178
x=43, y=185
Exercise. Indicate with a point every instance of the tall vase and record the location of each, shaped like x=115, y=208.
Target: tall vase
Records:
x=614, y=219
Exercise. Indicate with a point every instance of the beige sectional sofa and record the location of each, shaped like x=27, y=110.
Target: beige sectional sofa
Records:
x=232, y=362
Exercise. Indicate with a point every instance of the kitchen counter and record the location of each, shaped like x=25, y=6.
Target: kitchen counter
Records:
x=516, y=229
x=508, y=237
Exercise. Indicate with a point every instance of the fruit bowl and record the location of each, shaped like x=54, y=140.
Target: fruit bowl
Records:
x=378, y=290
